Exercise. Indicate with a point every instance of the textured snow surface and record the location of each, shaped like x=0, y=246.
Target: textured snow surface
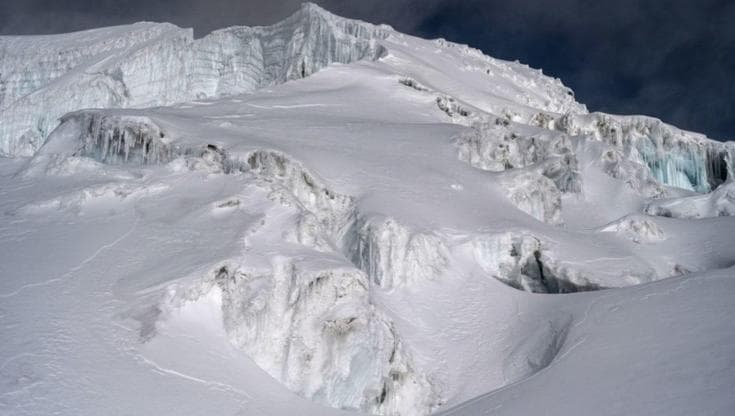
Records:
x=327, y=217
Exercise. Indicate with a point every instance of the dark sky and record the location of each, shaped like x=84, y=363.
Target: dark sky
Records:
x=670, y=59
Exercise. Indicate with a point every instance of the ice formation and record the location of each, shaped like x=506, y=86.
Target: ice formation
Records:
x=325, y=215
x=497, y=146
x=674, y=157
x=392, y=254
x=122, y=139
x=521, y=260
x=317, y=331
x=534, y=194
x=150, y=64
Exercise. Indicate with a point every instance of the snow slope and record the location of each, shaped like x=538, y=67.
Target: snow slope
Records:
x=330, y=216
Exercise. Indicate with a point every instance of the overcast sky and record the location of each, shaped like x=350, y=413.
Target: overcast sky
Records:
x=671, y=59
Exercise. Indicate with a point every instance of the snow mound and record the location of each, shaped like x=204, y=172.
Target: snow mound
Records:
x=718, y=203
x=637, y=228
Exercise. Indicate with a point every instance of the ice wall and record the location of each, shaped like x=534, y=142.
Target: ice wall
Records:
x=147, y=64
x=674, y=157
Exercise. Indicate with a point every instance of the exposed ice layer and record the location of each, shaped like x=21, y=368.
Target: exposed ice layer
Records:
x=636, y=175
x=636, y=228
x=497, y=147
x=718, y=203
x=325, y=214
x=394, y=255
x=240, y=59
x=315, y=330
x=137, y=65
x=521, y=261
x=534, y=194
x=674, y=157
x=121, y=139
x=43, y=78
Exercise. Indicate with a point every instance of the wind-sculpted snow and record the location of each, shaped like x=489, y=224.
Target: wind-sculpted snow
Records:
x=718, y=203
x=637, y=228
x=674, y=157
x=157, y=64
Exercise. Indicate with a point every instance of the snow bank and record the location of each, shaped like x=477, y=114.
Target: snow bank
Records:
x=718, y=203
x=636, y=228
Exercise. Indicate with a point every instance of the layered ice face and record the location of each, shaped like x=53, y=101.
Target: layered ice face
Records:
x=149, y=64
x=674, y=157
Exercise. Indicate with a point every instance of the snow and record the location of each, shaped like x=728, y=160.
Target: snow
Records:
x=324, y=215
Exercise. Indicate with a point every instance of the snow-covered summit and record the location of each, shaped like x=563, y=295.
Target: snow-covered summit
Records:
x=149, y=64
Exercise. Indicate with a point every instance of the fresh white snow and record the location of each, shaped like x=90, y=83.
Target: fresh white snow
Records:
x=326, y=216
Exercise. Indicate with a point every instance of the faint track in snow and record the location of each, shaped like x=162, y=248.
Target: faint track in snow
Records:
x=209, y=383
x=75, y=268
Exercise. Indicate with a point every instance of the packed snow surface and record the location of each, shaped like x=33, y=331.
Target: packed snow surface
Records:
x=327, y=217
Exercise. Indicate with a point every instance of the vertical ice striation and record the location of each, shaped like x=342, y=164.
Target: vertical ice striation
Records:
x=674, y=157
x=148, y=64
x=122, y=139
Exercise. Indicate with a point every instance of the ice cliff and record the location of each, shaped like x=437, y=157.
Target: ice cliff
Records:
x=148, y=64
x=674, y=157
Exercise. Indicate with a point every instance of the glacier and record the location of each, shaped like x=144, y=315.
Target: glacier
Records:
x=329, y=217
x=150, y=64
